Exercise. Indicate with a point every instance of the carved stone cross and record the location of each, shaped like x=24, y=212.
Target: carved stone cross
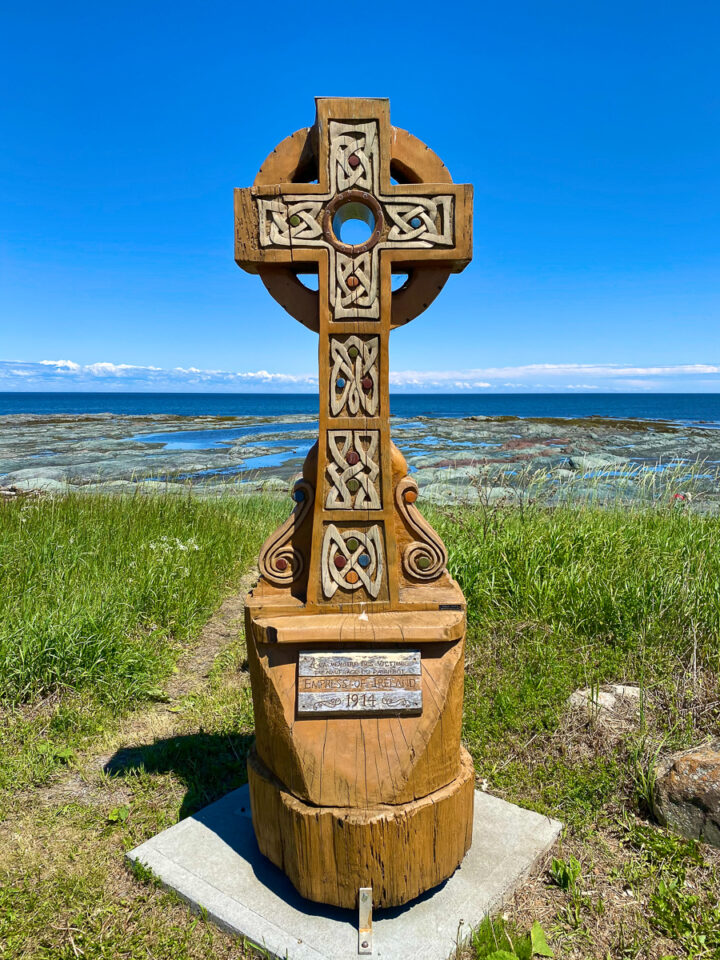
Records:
x=420, y=226
x=356, y=631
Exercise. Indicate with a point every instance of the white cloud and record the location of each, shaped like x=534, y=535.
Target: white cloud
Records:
x=61, y=364
x=105, y=369
x=103, y=374
x=584, y=370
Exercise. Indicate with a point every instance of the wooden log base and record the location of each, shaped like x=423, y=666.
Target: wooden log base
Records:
x=330, y=852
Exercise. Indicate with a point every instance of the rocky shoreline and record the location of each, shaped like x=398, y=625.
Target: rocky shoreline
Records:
x=475, y=459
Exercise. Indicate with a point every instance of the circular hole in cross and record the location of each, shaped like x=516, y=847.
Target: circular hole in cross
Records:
x=353, y=224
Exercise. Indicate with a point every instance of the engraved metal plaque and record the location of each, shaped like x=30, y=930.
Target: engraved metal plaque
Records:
x=359, y=682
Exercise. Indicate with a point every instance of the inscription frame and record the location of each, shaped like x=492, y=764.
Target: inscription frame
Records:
x=359, y=683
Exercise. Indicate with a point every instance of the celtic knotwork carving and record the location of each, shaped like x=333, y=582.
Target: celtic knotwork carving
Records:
x=285, y=222
x=352, y=559
x=425, y=558
x=280, y=561
x=353, y=470
x=358, y=141
x=347, y=301
x=297, y=221
x=420, y=221
x=354, y=375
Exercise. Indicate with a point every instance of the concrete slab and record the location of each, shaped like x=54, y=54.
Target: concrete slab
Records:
x=212, y=861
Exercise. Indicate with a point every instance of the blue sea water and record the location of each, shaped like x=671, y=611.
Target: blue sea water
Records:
x=684, y=408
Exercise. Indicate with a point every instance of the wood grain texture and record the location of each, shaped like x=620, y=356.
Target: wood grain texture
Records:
x=343, y=761
x=330, y=852
x=402, y=626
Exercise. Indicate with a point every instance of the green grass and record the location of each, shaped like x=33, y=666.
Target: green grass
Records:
x=493, y=939
x=623, y=579
x=575, y=597
x=100, y=595
x=98, y=592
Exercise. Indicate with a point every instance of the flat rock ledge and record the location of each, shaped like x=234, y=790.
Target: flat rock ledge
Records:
x=686, y=795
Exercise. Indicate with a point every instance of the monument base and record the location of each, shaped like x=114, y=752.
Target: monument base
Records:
x=328, y=853
x=211, y=859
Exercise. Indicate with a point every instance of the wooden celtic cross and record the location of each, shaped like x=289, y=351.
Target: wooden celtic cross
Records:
x=356, y=630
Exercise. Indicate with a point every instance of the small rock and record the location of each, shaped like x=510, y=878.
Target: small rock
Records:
x=625, y=691
x=686, y=795
x=612, y=700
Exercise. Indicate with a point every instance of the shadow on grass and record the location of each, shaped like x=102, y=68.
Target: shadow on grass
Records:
x=209, y=764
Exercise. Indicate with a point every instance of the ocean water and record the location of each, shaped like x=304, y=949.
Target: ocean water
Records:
x=684, y=408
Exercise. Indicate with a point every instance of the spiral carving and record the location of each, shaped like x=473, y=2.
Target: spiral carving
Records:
x=426, y=557
x=280, y=562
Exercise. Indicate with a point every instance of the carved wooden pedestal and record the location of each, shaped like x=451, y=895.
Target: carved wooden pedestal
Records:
x=361, y=793
x=356, y=631
x=400, y=850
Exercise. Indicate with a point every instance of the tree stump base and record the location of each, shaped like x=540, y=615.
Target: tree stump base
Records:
x=400, y=850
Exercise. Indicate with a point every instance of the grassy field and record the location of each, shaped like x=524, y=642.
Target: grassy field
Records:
x=125, y=704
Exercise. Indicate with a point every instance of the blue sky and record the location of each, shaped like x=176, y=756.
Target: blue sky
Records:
x=590, y=133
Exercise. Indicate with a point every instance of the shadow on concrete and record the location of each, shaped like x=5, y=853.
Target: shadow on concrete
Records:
x=213, y=767
x=209, y=764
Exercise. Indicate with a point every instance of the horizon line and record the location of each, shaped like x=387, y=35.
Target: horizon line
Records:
x=564, y=392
